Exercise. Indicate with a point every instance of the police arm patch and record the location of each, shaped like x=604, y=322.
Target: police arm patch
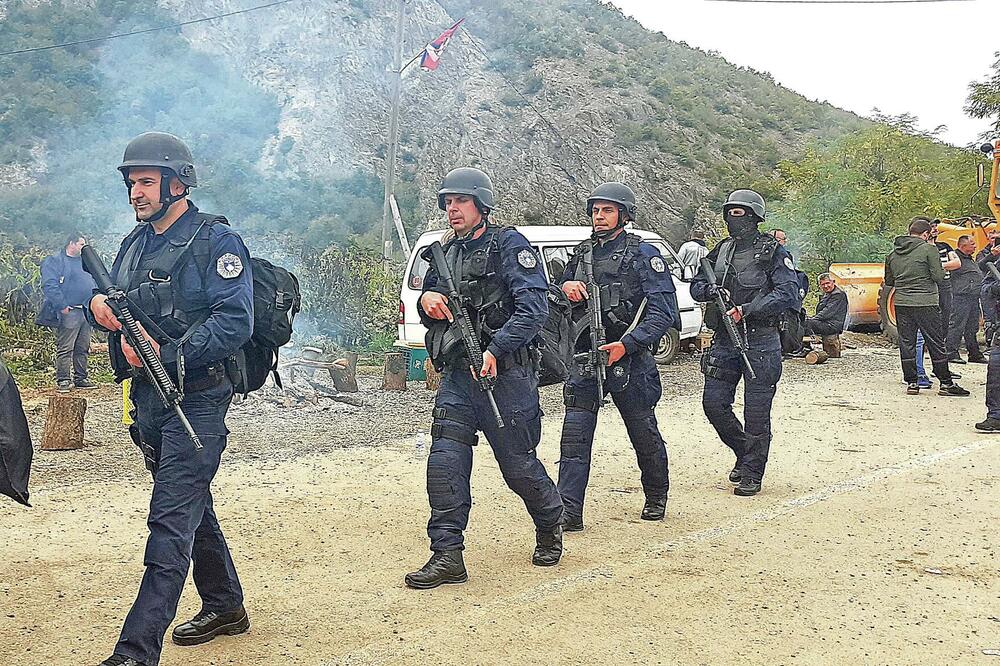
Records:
x=527, y=259
x=788, y=264
x=229, y=266
x=656, y=263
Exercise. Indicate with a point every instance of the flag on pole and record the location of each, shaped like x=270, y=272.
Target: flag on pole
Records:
x=431, y=56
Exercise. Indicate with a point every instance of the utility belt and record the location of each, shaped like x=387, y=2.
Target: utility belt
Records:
x=197, y=379
x=526, y=356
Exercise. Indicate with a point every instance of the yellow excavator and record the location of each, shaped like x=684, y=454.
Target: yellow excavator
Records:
x=870, y=303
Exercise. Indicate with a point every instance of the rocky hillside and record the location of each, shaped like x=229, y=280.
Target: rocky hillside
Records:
x=613, y=101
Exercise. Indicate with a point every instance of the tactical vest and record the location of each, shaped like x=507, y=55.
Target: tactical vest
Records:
x=153, y=281
x=490, y=304
x=621, y=290
x=743, y=272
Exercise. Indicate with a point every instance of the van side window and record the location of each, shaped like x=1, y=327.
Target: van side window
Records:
x=671, y=259
x=556, y=259
x=415, y=280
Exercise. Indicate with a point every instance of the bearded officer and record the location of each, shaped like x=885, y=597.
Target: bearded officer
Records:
x=757, y=273
x=499, y=275
x=638, y=306
x=190, y=274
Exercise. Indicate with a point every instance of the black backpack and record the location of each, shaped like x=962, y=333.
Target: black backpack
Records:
x=276, y=301
x=557, y=342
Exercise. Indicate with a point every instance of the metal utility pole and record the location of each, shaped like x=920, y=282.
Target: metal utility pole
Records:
x=390, y=161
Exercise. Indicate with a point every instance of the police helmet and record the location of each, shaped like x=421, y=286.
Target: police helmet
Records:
x=470, y=181
x=618, y=193
x=745, y=199
x=163, y=151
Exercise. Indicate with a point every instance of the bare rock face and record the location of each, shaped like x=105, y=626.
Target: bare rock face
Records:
x=329, y=67
x=326, y=63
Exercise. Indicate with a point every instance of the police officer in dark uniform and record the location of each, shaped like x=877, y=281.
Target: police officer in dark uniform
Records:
x=499, y=274
x=759, y=276
x=990, y=294
x=638, y=306
x=189, y=273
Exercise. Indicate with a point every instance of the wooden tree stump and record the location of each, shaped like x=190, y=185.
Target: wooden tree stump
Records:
x=831, y=345
x=395, y=372
x=816, y=357
x=346, y=380
x=64, y=424
x=433, y=376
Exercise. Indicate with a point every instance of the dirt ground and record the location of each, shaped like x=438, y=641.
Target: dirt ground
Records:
x=874, y=541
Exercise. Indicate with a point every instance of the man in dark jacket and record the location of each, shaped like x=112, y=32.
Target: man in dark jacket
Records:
x=914, y=269
x=831, y=311
x=67, y=287
x=966, y=282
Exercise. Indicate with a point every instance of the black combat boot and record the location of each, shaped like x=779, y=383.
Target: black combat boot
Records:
x=747, y=488
x=118, y=660
x=572, y=523
x=989, y=425
x=205, y=626
x=444, y=567
x=735, y=476
x=654, y=508
x=548, y=547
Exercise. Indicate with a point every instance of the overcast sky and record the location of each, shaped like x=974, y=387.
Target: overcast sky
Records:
x=908, y=58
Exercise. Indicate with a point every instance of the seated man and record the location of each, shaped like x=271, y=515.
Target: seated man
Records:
x=831, y=311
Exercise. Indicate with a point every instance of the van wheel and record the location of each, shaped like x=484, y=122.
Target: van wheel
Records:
x=887, y=312
x=666, y=350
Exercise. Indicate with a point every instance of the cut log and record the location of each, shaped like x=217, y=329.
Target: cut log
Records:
x=395, y=372
x=64, y=424
x=433, y=376
x=816, y=357
x=831, y=345
x=345, y=379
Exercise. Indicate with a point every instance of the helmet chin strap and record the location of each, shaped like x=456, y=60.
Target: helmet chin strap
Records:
x=607, y=233
x=166, y=198
x=472, y=232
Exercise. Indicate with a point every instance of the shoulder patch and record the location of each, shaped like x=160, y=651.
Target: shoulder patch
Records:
x=789, y=264
x=527, y=258
x=656, y=263
x=229, y=266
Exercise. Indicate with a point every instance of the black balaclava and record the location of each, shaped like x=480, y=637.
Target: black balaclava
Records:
x=742, y=227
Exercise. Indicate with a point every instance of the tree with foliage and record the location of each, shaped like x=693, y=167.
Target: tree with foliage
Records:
x=984, y=99
x=847, y=202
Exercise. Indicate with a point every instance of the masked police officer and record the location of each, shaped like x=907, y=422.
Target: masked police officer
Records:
x=758, y=278
x=638, y=305
x=500, y=277
x=189, y=273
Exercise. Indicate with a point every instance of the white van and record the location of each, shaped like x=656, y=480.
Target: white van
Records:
x=554, y=245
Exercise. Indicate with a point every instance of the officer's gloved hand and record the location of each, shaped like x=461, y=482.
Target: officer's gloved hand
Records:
x=714, y=291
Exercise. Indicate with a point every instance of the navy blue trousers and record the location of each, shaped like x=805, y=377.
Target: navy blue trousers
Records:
x=993, y=383
x=635, y=402
x=750, y=440
x=461, y=410
x=182, y=524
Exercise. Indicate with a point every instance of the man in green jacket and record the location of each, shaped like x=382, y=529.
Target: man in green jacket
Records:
x=914, y=269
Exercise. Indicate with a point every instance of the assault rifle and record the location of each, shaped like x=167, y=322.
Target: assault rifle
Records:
x=725, y=303
x=151, y=363
x=595, y=361
x=474, y=350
